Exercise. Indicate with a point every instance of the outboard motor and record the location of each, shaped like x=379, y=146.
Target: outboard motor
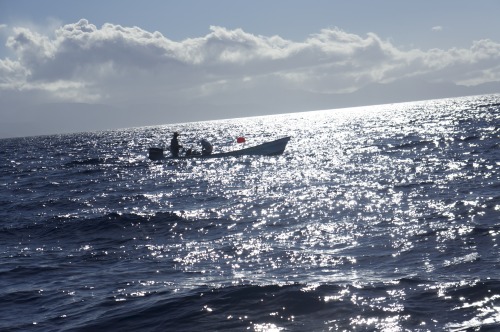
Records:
x=155, y=153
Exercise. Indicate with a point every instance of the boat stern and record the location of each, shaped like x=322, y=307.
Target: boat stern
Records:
x=155, y=153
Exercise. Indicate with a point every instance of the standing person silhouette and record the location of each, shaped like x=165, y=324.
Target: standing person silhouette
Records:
x=174, y=145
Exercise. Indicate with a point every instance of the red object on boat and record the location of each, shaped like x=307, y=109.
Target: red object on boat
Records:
x=240, y=140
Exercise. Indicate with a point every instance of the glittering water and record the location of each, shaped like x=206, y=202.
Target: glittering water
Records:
x=375, y=218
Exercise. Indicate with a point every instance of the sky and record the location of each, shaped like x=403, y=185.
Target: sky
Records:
x=70, y=66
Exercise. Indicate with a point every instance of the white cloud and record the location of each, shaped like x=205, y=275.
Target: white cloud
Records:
x=113, y=64
x=437, y=28
x=326, y=61
x=12, y=73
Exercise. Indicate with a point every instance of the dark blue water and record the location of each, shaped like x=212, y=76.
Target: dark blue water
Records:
x=381, y=218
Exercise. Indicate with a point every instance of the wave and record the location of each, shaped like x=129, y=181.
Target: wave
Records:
x=297, y=307
x=229, y=308
x=88, y=161
x=66, y=228
x=411, y=145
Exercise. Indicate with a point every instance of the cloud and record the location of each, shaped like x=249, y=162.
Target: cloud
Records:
x=118, y=65
x=437, y=28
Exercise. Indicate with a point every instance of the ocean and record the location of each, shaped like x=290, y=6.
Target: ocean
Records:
x=377, y=218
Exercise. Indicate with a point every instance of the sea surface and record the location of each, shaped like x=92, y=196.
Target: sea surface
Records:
x=379, y=218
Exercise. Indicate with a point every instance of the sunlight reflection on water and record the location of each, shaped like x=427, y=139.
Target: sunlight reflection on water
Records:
x=346, y=177
x=392, y=203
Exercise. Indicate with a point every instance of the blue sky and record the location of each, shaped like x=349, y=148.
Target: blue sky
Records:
x=259, y=57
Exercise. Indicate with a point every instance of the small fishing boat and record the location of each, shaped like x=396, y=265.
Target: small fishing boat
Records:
x=272, y=148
